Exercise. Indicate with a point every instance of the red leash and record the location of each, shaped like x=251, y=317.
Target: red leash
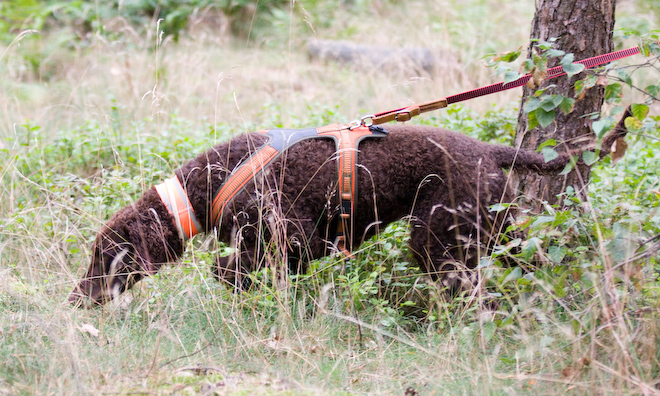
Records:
x=406, y=113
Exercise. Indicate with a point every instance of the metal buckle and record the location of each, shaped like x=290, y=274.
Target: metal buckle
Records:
x=354, y=124
x=406, y=112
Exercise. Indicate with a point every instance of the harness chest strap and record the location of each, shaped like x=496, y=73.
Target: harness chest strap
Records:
x=347, y=142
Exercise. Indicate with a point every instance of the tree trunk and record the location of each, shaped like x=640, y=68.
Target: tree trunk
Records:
x=584, y=28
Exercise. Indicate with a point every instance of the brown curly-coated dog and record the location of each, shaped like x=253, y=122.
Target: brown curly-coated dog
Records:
x=443, y=181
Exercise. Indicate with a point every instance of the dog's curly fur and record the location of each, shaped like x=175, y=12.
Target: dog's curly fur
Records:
x=443, y=181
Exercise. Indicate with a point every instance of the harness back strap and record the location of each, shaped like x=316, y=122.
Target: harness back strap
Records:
x=178, y=205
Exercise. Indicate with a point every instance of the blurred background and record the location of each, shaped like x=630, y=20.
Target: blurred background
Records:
x=99, y=100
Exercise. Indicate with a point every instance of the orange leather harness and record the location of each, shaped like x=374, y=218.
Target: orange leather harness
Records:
x=346, y=137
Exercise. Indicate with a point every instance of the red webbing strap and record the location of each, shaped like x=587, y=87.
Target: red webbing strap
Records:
x=406, y=113
x=554, y=72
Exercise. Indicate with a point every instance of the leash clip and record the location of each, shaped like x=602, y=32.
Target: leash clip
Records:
x=365, y=121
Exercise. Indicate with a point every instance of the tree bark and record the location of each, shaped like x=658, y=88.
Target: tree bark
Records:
x=584, y=28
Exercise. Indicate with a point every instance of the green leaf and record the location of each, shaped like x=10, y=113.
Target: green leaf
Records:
x=549, y=154
x=555, y=53
x=622, y=245
x=498, y=207
x=566, y=105
x=509, y=56
x=546, y=45
x=576, y=326
x=569, y=67
x=640, y=111
x=633, y=124
x=654, y=47
x=540, y=63
x=533, y=122
x=484, y=262
x=625, y=77
x=584, y=84
x=527, y=65
x=562, y=217
x=556, y=253
x=488, y=330
x=559, y=286
x=568, y=168
x=547, y=143
x=573, y=69
x=589, y=157
x=613, y=92
x=511, y=76
x=602, y=126
x=544, y=118
x=530, y=247
x=653, y=90
x=531, y=105
x=541, y=220
x=616, y=110
x=550, y=102
x=514, y=275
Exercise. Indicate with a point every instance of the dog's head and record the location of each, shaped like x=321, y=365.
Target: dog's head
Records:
x=115, y=266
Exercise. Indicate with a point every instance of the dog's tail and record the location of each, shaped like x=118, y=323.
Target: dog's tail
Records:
x=509, y=157
x=620, y=131
x=523, y=160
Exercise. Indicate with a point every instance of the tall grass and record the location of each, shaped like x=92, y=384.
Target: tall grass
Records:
x=87, y=128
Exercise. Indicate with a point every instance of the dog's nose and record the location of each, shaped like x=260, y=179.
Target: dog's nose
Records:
x=76, y=299
x=87, y=294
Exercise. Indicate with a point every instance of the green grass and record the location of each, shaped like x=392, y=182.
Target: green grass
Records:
x=85, y=129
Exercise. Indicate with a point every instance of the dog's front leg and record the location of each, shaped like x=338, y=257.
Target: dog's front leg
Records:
x=253, y=247
x=233, y=270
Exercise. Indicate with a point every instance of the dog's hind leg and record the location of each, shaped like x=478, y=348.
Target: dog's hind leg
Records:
x=445, y=243
x=442, y=257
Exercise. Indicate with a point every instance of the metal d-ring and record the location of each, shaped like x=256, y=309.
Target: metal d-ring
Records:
x=367, y=121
